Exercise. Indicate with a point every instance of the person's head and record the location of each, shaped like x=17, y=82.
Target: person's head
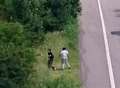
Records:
x=63, y=48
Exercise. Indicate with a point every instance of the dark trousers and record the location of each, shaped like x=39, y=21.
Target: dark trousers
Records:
x=50, y=62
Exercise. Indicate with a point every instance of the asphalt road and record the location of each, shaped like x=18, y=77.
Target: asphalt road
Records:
x=94, y=63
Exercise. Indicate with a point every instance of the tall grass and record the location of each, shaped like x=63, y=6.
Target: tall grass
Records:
x=44, y=78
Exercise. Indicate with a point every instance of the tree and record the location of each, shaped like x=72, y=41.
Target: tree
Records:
x=16, y=57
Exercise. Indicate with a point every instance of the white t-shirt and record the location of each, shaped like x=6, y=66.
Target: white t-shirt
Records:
x=64, y=54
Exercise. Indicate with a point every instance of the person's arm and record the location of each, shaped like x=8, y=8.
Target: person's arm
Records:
x=52, y=55
x=49, y=55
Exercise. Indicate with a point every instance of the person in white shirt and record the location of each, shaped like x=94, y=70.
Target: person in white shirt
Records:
x=64, y=58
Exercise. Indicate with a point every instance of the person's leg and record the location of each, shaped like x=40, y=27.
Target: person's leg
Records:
x=67, y=63
x=49, y=64
x=63, y=63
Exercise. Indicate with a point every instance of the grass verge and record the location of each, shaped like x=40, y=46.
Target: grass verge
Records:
x=44, y=78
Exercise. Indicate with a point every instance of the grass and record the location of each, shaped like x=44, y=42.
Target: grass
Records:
x=44, y=78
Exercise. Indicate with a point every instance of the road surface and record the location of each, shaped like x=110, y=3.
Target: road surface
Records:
x=99, y=51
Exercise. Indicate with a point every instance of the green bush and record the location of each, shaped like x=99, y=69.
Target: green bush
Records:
x=2, y=10
x=43, y=15
x=29, y=14
x=15, y=57
x=71, y=33
x=40, y=16
x=63, y=9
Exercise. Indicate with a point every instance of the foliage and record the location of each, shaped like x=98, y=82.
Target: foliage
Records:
x=71, y=33
x=37, y=18
x=2, y=9
x=42, y=15
x=44, y=78
x=27, y=13
x=62, y=9
x=15, y=57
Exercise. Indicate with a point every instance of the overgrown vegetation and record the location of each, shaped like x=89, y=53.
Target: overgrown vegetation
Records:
x=15, y=57
x=57, y=79
x=27, y=26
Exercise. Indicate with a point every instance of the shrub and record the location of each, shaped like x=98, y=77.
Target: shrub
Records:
x=15, y=57
x=29, y=14
x=43, y=15
x=71, y=33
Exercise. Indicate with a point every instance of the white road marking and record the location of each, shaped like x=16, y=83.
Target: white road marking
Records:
x=111, y=75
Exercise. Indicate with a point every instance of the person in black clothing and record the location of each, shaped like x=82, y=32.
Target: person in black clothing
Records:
x=50, y=59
